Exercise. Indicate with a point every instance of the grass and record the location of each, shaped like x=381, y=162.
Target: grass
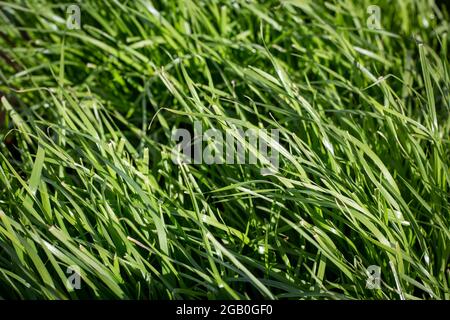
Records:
x=86, y=177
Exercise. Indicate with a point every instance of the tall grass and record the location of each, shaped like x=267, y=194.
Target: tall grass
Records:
x=86, y=177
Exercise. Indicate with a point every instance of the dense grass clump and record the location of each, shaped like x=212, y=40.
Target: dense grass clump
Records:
x=87, y=180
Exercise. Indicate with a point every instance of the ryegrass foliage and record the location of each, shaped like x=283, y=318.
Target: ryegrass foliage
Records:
x=86, y=177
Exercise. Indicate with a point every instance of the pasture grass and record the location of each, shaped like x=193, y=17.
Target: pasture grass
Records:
x=87, y=180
